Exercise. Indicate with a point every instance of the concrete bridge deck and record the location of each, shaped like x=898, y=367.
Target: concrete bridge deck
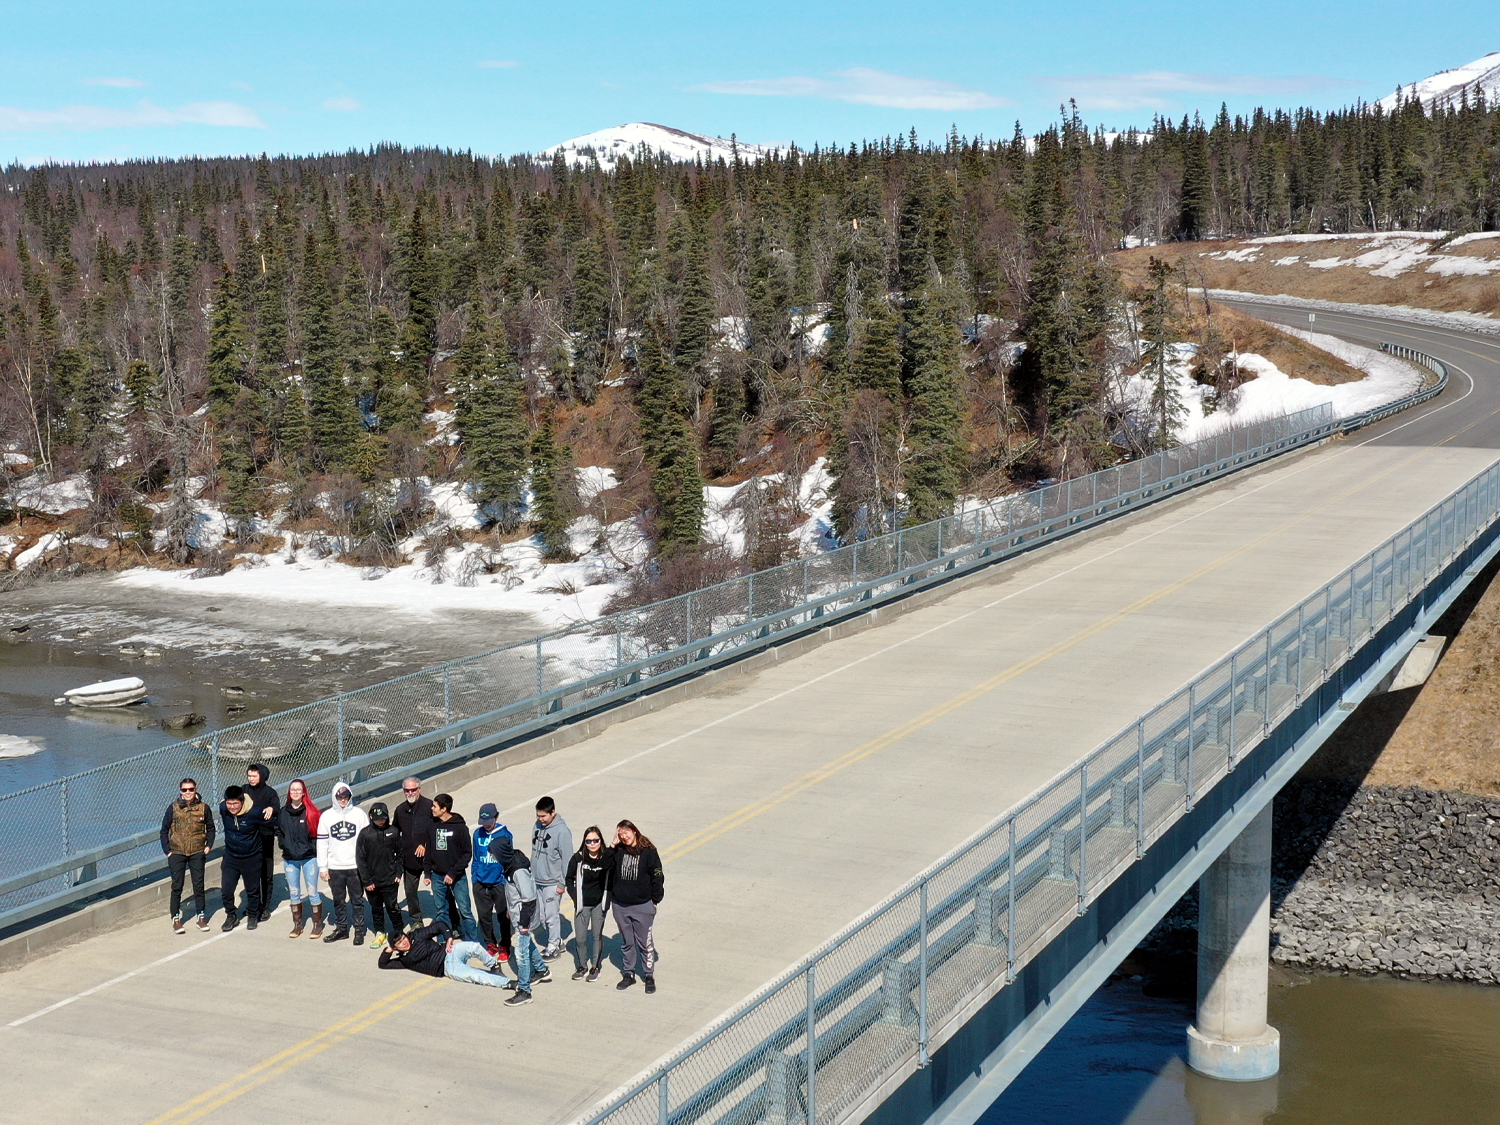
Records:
x=785, y=805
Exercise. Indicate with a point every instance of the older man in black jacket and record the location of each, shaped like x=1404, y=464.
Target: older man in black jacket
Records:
x=414, y=819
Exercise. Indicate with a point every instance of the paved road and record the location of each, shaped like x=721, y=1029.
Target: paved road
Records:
x=785, y=805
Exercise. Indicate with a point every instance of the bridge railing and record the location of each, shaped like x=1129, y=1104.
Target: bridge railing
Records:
x=827, y=1034
x=94, y=831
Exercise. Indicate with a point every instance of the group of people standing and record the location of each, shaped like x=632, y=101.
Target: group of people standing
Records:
x=487, y=894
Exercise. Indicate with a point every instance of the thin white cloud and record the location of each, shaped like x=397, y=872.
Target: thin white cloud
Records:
x=496, y=64
x=1164, y=89
x=864, y=86
x=117, y=83
x=143, y=115
x=342, y=105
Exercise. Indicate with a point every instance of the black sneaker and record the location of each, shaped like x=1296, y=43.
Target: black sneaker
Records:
x=359, y=937
x=650, y=985
x=518, y=999
x=579, y=973
x=339, y=934
x=593, y=974
x=265, y=914
x=230, y=922
x=251, y=921
x=626, y=980
x=542, y=977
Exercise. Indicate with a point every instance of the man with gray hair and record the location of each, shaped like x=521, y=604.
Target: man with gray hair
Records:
x=414, y=820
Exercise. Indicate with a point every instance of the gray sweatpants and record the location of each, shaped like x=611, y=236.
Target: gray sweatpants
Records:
x=634, y=924
x=549, y=914
x=588, y=936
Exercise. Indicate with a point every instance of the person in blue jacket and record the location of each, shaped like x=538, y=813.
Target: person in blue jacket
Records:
x=489, y=883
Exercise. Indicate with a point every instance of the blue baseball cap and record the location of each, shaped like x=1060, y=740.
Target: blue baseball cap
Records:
x=488, y=814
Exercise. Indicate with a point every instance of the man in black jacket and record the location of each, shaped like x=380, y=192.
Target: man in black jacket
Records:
x=446, y=866
x=266, y=808
x=433, y=952
x=377, y=855
x=242, y=850
x=414, y=820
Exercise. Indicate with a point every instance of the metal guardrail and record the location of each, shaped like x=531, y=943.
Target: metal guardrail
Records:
x=1436, y=366
x=72, y=838
x=815, y=1042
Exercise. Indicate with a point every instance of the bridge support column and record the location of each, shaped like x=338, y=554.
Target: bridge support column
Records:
x=1231, y=1038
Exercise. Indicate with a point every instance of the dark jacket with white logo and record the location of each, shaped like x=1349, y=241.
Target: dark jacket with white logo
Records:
x=449, y=848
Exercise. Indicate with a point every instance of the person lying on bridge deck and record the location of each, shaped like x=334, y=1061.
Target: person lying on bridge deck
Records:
x=432, y=950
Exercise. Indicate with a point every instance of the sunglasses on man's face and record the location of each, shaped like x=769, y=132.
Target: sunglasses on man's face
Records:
x=411, y=790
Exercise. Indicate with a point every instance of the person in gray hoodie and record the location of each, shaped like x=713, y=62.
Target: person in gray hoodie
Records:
x=520, y=903
x=551, y=850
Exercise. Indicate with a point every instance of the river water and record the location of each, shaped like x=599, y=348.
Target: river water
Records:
x=1355, y=1050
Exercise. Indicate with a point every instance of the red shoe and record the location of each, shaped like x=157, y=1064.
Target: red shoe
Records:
x=503, y=955
x=492, y=950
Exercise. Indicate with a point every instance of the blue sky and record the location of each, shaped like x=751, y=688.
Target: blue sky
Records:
x=83, y=80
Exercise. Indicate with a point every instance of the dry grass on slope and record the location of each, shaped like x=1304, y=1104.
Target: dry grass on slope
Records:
x=1294, y=357
x=1444, y=735
x=1282, y=268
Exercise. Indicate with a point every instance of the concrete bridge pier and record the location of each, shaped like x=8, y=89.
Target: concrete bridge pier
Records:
x=1231, y=1039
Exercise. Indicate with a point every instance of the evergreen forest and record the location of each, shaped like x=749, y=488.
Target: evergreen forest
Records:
x=323, y=337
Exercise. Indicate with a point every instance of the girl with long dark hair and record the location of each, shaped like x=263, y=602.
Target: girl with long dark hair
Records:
x=635, y=887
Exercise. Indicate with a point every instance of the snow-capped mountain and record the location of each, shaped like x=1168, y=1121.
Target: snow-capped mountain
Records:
x=1448, y=86
x=641, y=138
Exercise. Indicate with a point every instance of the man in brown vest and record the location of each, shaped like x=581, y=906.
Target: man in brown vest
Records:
x=187, y=836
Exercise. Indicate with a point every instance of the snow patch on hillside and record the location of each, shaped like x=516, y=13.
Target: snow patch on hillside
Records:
x=1381, y=254
x=643, y=138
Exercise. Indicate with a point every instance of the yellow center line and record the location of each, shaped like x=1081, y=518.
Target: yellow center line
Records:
x=896, y=734
x=282, y=1061
x=279, y=1063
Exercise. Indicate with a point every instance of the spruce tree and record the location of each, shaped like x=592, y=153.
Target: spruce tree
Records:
x=660, y=401
x=493, y=421
x=935, y=430
x=677, y=487
x=419, y=334
x=332, y=413
x=1154, y=312
x=228, y=359
x=551, y=492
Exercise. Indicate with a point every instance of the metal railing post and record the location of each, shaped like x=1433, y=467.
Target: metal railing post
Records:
x=687, y=619
x=341, y=727
x=539, y=704
x=1140, y=788
x=1301, y=644
x=750, y=599
x=1265, y=727
x=1010, y=905
x=922, y=1057
x=1234, y=710
x=1192, y=738
x=447, y=694
x=67, y=837
x=214, y=751
x=663, y=1100
x=1083, y=834
x=812, y=1044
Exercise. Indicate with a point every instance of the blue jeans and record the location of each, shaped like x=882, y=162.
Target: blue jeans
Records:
x=459, y=890
x=456, y=965
x=527, y=962
x=302, y=880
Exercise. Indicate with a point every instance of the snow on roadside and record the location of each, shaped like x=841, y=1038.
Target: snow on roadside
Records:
x=1273, y=392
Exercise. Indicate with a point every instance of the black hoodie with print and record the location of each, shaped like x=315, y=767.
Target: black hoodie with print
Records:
x=377, y=854
x=449, y=848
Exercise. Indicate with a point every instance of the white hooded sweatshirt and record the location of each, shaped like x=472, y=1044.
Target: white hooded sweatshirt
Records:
x=338, y=828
